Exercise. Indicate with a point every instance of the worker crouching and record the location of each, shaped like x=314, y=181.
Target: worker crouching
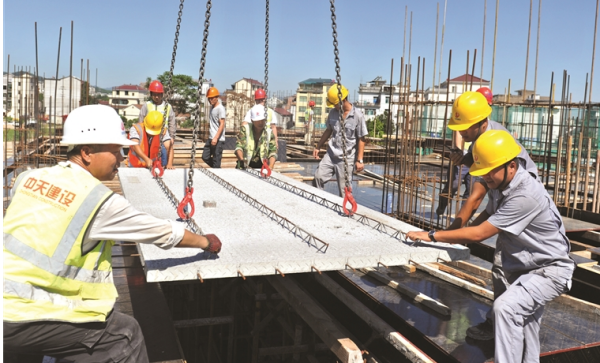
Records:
x=535, y=248
x=256, y=143
x=59, y=230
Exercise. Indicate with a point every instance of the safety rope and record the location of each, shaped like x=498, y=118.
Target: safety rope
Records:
x=348, y=187
x=265, y=171
x=189, y=190
x=157, y=168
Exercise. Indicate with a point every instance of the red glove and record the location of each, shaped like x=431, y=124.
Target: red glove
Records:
x=214, y=243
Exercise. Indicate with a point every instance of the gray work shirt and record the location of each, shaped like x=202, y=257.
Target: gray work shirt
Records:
x=356, y=127
x=529, y=164
x=216, y=114
x=532, y=234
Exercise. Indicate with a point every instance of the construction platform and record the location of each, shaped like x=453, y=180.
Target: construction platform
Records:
x=268, y=227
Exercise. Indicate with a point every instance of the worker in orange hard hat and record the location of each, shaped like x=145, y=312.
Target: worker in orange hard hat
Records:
x=157, y=103
x=148, y=138
x=213, y=147
x=260, y=98
x=309, y=117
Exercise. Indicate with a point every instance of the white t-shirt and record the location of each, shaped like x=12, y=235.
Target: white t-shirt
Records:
x=274, y=117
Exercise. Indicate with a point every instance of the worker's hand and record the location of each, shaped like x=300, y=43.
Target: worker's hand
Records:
x=418, y=235
x=240, y=165
x=214, y=141
x=316, y=153
x=457, y=156
x=359, y=167
x=214, y=244
x=170, y=166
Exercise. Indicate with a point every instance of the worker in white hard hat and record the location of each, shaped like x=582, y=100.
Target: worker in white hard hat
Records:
x=535, y=248
x=148, y=134
x=354, y=135
x=59, y=230
x=256, y=143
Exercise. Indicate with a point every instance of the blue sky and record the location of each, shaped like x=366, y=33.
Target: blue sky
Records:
x=129, y=40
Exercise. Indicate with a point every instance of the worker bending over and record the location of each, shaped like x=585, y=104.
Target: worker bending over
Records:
x=213, y=147
x=535, y=249
x=260, y=98
x=157, y=103
x=58, y=235
x=256, y=142
x=147, y=135
x=355, y=132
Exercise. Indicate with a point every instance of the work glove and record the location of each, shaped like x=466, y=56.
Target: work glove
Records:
x=240, y=165
x=214, y=243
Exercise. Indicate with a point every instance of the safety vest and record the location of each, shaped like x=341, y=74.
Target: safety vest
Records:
x=263, y=150
x=151, y=106
x=307, y=115
x=134, y=160
x=46, y=277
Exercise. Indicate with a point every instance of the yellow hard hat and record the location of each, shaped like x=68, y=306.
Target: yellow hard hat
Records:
x=491, y=150
x=467, y=110
x=153, y=122
x=333, y=97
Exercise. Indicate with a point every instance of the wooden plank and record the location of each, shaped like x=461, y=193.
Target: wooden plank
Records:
x=467, y=266
x=458, y=274
x=319, y=320
x=407, y=291
x=456, y=281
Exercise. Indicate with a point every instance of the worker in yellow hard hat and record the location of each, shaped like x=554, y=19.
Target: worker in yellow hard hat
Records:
x=354, y=135
x=535, y=248
x=157, y=103
x=213, y=147
x=59, y=229
x=147, y=134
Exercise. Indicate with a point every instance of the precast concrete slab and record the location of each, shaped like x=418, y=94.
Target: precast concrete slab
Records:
x=257, y=242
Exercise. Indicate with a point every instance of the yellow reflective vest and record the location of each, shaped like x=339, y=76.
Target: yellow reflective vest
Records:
x=47, y=276
x=151, y=106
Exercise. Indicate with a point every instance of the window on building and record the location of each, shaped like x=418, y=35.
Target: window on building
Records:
x=453, y=89
x=118, y=93
x=387, y=99
x=302, y=98
x=126, y=93
x=302, y=108
x=317, y=110
x=133, y=94
x=301, y=119
x=318, y=119
x=319, y=101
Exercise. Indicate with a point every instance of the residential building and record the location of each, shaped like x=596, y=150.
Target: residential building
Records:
x=18, y=94
x=374, y=98
x=130, y=112
x=312, y=89
x=61, y=96
x=128, y=94
x=285, y=120
x=238, y=100
x=454, y=87
x=246, y=86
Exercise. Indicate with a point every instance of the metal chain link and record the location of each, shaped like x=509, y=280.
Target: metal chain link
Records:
x=266, y=72
x=338, y=79
x=190, y=182
x=167, y=96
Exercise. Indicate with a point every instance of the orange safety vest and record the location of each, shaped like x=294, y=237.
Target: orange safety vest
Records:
x=136, y=162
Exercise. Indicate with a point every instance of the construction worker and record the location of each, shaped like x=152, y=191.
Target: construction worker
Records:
x=256, y=142
x=147, y=135
x=309, y=116
x=470, y=113
x=58, y=235
x=260, y=98
x=213, y=148
x=354, y=134
x=157, y=103
x=535, y=249
x=487, y=93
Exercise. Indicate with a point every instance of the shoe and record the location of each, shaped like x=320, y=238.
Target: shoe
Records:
x=481, y=331
x=439, y=211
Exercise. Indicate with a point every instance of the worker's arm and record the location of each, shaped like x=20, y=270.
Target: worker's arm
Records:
x=359, y=154
x=465, y=213
x=140, y=154
x=322, y=141
x=272, y=153
x=215, y=139
x=274, y=128
x=209, y=242
x=463, y=235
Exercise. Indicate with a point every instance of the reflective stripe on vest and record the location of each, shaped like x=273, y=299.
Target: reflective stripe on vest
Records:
x=250, y=144
x=151, y=106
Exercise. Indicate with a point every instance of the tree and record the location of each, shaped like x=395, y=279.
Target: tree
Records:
x=183, y=91
x=380, y=125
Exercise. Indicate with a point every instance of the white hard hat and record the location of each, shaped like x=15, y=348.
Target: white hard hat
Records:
x=94, y=124
x=257, y=113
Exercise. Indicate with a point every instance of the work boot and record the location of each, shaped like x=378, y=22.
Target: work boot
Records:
x=439, y=211
x=481, y=331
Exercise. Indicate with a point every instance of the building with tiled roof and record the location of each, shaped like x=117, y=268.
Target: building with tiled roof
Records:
x=128, y=94
x=312, y=89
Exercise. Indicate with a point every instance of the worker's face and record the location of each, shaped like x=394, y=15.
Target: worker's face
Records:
x=472, y=133
x=259, y=125
x=213, y=101
x=495, y=178
x=156, y=97
x=260, y=101
x=103, y=160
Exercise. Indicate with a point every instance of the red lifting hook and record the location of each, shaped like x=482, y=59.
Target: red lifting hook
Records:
x=156, y=164
x=349, y=198
x=187, y=199
x=265, y=171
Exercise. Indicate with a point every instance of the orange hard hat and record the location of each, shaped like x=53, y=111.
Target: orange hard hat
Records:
x=212, y=92
x=260, y=94
x=156, y=86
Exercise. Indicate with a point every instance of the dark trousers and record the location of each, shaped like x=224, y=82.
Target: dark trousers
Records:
x=118, y=339
x=460, y=174
x=211, y=154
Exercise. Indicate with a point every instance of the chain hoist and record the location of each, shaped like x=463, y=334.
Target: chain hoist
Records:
x=265, y=170
x=189, y=190
x=157, y=168
x=348, y=198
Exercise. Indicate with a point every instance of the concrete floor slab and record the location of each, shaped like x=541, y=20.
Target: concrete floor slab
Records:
x=254, y=243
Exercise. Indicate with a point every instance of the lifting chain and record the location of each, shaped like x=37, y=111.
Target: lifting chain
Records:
x=348, y=187
x=189, y=190
x=157, y=165
x=265, y=171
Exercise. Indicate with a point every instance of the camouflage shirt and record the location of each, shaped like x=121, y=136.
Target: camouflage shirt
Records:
x=242, y=144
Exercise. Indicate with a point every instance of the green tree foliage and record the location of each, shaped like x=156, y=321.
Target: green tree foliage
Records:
x=183, y=91
x=129, y=123
x=380, y=125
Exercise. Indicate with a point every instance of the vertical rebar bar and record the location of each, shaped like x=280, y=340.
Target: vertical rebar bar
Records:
x=71, y=72
x=483, y=43
x=537, y=50
x=527, y=56
x=384, y=201
x=53, y=135
x=587, y=174
x=494, y=52
x=37, y=125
